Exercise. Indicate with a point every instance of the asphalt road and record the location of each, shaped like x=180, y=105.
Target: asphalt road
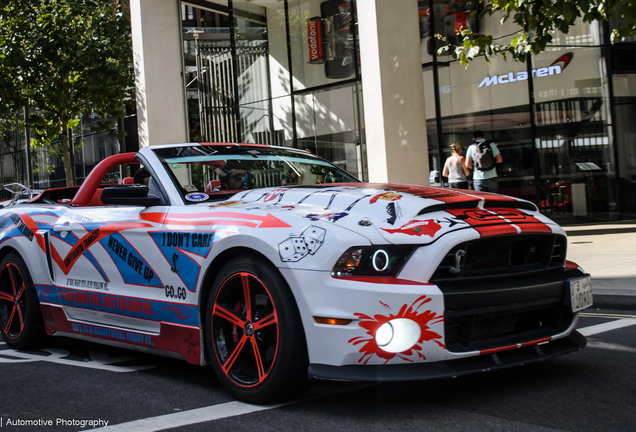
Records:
x=593, y=389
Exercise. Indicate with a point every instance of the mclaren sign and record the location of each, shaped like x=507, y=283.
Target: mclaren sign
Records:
x=554, y=69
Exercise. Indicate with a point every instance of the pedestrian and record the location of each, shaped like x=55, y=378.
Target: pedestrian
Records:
x=482, y=157
x=455, y=168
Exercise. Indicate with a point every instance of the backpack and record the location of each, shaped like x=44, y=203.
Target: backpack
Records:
x=484, y=158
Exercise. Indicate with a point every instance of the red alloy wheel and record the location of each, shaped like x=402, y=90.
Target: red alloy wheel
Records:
x=245, y=329
x=13, y=301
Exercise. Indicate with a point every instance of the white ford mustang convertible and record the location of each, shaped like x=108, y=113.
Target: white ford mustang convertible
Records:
x=275, y=266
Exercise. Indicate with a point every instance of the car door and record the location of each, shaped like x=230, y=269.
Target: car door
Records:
x=103, y=264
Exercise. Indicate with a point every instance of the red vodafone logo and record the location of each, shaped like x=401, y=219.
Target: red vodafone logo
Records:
x=316, y=52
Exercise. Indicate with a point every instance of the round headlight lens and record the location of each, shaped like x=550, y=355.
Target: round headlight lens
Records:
x=380, y=260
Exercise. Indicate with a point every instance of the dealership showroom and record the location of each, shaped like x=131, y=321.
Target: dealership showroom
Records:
x=359, y=83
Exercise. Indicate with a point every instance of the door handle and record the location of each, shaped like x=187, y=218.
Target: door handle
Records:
x=63, y=229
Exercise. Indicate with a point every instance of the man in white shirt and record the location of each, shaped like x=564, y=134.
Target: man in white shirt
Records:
x=484, y=181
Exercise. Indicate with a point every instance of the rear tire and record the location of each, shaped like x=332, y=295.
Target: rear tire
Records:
x=254, y=335
x=21, y=321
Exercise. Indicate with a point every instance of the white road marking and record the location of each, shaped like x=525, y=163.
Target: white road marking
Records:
x=610, y=325
x=228, y=409
x=185, y=418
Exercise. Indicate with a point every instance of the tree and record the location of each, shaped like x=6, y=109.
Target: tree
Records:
x=64, y=59
x=538, y=20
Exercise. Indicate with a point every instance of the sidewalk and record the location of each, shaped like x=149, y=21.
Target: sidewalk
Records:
x=608, y=252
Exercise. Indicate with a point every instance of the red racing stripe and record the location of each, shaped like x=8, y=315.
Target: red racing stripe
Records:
x=511, y=347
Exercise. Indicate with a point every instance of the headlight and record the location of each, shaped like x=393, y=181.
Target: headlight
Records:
x=372, y=261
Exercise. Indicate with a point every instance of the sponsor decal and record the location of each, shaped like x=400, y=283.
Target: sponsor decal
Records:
x=113, y=334
x=176, y=246
x=44, y=292
x=197, y=196
x=154, y=310
x=417, y=228
x=136, y=270
x=21, y=226
x=393, y=211
x=387, y=196
x=197, y=242
x=71, y=239
x=78, y=217
x=85, y=298
x=180, y=312
x=424, y=320
x=276, y=193
x=81, y=283
x=82, y=245
x=331, y=217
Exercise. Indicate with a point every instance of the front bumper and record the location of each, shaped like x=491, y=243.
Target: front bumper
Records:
x=458, y=321
x=449, y=368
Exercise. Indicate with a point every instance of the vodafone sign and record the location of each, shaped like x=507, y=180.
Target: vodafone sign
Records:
x=316, y=51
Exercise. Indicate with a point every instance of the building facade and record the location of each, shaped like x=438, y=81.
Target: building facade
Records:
x=360, y=83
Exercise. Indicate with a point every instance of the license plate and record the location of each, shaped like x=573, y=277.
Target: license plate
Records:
x=580, y=293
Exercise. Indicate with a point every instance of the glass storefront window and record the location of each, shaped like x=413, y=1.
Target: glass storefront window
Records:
x=322, y=42
x=326, y=124
x=244, y=86
x=574, y=138
x=625, y=111
x=566, y=164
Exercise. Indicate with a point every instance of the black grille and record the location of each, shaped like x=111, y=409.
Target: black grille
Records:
x=504, y=255
x=484, y=331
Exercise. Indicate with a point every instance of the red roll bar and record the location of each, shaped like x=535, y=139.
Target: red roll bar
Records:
x=95, y=177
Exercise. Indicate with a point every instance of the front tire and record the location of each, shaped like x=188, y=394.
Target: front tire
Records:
x=21, y=321
x=254, y=335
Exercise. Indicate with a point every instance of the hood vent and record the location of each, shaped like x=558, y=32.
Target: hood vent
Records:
x=519, y=205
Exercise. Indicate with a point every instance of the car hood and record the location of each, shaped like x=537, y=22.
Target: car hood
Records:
x=400, y=213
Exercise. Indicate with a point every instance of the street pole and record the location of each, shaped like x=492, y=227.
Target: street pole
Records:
x=27, y=144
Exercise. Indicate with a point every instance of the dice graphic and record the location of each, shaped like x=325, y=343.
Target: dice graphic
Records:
x=314, y=238
x=293, y=249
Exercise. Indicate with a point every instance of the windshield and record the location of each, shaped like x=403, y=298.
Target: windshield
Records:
x=212, y=172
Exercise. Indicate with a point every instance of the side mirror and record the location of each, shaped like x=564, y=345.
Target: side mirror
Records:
x=130, y=195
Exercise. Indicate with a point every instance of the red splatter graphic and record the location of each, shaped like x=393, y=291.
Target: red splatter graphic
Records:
x=369, y=345
x=418, y=228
